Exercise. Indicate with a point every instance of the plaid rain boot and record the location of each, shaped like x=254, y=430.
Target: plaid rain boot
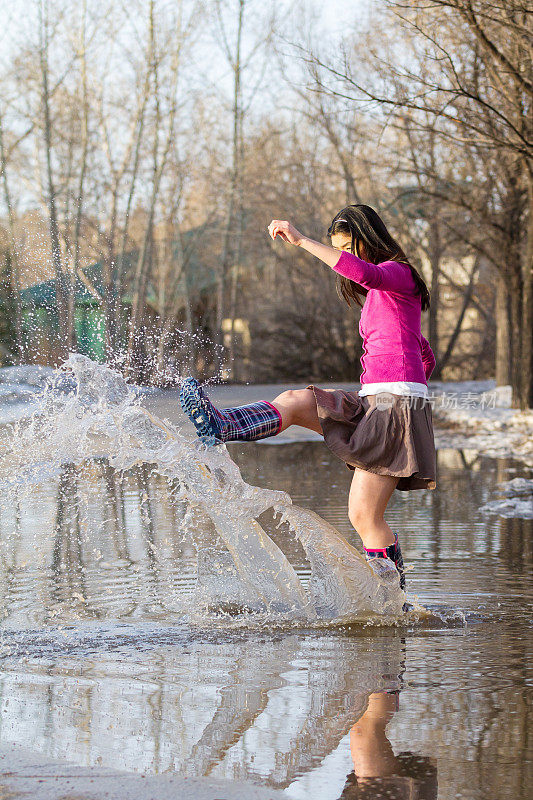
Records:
x=392, y=553
x=244, y=423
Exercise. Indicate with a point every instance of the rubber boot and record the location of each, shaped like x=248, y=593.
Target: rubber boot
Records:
x=393, y=553
x=242, y=423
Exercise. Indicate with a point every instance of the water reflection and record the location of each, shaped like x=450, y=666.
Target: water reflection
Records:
x=378, y=773
x=98, y=665
x=67, y=574
x=516, y=541
x=272, y=708
x=93, y=543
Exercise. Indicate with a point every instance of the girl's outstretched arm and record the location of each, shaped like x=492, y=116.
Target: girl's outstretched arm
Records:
x=389, y=276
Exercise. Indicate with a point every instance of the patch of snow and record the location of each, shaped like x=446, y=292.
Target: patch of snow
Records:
x=29, y=374
x=519, y=502
x=21, y=387
x=502, y=396
x=516, y=487
x=467, y=418
x=513, y=507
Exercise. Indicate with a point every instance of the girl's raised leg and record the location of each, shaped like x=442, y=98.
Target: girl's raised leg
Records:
x=298, y=407
x=250, y=422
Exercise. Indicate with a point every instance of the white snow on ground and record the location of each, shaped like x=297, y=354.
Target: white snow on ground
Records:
x=18, y=389
x=472, y=416
x=517, y=487
x=30, y=376
x=523, y=509
x=518, y=501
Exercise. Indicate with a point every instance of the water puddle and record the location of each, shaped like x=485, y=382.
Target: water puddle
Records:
x=163, y=613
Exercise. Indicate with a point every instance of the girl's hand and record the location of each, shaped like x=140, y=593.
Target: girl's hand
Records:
x=286, y=231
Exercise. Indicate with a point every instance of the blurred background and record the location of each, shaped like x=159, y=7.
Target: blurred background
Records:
x=146, y=145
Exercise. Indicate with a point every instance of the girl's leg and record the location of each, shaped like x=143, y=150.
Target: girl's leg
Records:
x=369, y=496
x=250, y=422
x=298, y=407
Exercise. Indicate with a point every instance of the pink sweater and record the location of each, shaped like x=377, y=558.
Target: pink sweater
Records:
x=393, y=346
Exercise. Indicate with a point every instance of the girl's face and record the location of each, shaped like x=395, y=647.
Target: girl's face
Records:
x=341, y=241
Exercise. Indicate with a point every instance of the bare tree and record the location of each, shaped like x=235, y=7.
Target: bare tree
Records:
x=240, y=64
x=13, y=265
x=64, y=287
x=471, y=71
x=164, y=109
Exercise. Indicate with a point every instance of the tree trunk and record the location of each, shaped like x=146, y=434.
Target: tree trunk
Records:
x=84, y=141
x=435, y=255
x=516, y=334
x=503, y=344
x=226, y=257
x=14, y=274
x=115, y=288
x=526, y=355
x=64, y=294
x=160, y=157
x=238, y=165
x=441, y=362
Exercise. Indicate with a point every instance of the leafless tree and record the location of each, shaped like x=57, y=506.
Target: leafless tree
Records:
x=469, y=68
x=241, y=16
x=13, y=266
x=64, y=286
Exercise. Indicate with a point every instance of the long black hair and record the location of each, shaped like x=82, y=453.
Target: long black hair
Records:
x=366, y=228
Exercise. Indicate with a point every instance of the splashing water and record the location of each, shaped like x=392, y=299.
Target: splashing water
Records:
x=103, y=417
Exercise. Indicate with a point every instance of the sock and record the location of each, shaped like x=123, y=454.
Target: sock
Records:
x=241, y=423
x=393, y=552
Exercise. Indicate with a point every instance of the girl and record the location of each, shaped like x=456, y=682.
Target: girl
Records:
x=384, y=432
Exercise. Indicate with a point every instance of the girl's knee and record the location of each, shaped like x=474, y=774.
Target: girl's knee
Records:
x=286, y=398
x=297, y=407
x=293, y=398
x=354, y=517
x=360, y=517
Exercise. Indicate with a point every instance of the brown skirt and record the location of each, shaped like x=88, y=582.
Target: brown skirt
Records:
x=388, y=434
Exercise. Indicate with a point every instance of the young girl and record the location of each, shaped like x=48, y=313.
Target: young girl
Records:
x=384, y=432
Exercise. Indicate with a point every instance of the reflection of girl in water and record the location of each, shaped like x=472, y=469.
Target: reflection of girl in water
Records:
x=383, y=432
x=378, y=773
